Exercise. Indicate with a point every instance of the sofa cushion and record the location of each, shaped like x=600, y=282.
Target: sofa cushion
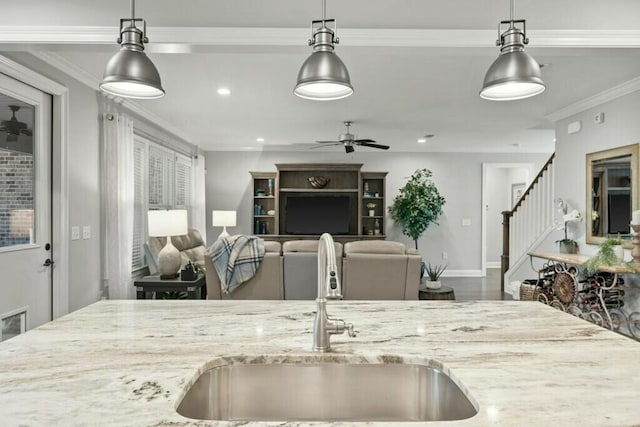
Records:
x=374, y=247
x=272, y=246
x=308, y=246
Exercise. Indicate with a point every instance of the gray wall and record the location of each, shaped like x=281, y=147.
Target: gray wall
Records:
x=458, y=177
x=621, y=127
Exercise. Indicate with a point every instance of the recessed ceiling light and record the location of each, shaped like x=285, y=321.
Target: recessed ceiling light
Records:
x=224, y=91
x=259, y=139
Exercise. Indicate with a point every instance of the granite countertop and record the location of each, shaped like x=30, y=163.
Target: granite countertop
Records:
x=128, y=362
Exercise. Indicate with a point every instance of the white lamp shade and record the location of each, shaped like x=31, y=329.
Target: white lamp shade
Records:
x=168, y=223
x=223, y=218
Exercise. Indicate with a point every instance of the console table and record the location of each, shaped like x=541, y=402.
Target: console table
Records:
x=195, y=289
x=594, y=296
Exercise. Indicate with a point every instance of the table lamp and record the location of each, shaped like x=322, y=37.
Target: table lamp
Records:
x=223, y=219
x=166, y=224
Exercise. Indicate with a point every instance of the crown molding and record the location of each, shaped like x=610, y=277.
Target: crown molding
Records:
x=169, y=38
x=593, y=101
x=84, y=77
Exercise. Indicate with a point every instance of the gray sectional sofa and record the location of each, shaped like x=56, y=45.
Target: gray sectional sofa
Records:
x=368, y=269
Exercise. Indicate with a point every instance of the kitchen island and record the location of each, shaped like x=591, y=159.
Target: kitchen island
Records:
x=129, y=362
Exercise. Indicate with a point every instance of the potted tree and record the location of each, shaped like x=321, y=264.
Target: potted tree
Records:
x=417, y=205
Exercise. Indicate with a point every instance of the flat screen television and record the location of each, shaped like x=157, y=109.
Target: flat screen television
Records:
x=317, y=215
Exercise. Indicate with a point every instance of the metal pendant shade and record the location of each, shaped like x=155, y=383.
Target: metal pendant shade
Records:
x=514, y=74
x=323, y=76
x=130, y=73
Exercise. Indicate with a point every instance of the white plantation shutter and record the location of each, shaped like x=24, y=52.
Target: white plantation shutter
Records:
x=183, y=183
x=161, y=167
x=139, y=206
x=163, y=179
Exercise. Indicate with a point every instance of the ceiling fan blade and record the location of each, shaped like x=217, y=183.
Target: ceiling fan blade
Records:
x=328, y=142
x=380, y=146
x=26, y=132
x=359, y=141
x=324, y=145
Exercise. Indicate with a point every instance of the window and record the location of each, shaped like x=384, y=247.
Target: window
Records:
x=163, y=180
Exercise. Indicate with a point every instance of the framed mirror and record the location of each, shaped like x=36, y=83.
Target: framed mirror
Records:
x=612, y=193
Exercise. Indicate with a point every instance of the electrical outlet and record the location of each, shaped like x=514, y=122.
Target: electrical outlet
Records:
x=445, y=256
x=86, y=232
x=75, y=232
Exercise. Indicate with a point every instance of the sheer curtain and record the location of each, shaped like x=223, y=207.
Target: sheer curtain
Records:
x=117, y=201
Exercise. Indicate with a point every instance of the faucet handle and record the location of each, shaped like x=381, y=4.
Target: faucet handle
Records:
x=350, y=330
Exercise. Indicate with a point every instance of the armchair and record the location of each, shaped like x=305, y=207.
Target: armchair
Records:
x=380, y=270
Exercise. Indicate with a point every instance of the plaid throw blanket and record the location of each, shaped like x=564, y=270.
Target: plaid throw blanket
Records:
x=236, y=259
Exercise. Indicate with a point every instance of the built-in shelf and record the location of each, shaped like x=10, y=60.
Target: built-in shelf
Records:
x=344, y=180
x=318, y=190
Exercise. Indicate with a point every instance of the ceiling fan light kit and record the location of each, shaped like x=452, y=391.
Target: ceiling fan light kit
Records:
x=514, y=74
x=323, y=76
x=130, y=73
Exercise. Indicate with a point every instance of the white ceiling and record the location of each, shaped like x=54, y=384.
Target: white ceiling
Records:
x=401, y=93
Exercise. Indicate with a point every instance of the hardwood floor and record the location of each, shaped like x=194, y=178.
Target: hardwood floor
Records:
x=477, y=288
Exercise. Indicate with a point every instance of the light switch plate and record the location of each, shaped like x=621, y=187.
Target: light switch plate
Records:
x=75, y=232
x=86, y=232
x=466, y=222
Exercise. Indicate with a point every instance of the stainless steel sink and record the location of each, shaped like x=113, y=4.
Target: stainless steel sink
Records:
x=326, y=392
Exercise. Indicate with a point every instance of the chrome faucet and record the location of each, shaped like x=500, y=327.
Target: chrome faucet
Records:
x=328, y=288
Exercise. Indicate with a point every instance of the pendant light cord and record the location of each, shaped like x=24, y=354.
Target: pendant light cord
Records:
x=324, y=10
x=511, y=17
x=133, y=9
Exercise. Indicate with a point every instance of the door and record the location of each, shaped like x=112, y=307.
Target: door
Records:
x=25, y=208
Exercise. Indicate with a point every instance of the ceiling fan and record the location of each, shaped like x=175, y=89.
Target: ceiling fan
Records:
x=349, y=140
x=13, y=127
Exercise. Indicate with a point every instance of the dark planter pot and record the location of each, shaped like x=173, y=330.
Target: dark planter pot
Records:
x=568, y=247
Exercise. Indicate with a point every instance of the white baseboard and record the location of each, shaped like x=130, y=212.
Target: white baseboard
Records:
x=494, y=264
x=462, y=273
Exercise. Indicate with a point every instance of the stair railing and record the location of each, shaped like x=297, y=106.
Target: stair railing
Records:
x=530, y=217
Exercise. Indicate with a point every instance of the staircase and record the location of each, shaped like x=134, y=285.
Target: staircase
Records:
x=530, y=220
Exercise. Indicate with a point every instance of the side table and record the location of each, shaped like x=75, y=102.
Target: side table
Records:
x=195, y=289
x=444, y=293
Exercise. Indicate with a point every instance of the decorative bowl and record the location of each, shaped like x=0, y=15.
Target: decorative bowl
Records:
x=318, y=181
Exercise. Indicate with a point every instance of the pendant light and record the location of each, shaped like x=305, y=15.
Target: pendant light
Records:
x=323, y=76
x=514, y=74
x=130, y=73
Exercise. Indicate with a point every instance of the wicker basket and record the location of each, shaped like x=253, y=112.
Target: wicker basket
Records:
x=529, y=292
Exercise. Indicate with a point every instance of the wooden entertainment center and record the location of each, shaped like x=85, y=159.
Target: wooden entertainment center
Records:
x=271, y=190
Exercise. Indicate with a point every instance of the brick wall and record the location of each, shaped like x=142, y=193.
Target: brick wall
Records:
x=16, y=197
